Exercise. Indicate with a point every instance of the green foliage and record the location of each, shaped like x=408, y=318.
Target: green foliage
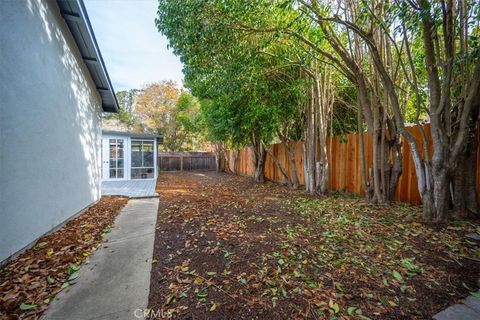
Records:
x=246, y=61
x=126, y=117
x=245, y=96
x=126, y=102
x=190, y=121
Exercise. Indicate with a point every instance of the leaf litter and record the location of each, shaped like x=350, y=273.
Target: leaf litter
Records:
x=30, y=281
x=228, y=248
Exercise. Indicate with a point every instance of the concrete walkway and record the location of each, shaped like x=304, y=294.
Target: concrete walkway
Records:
x=468, y=309
x=116, y=281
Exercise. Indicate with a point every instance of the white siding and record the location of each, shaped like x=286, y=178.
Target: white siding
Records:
x=50, y=127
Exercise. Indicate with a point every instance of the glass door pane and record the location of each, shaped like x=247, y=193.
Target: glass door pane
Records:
x=142, y=159
x=116, y=158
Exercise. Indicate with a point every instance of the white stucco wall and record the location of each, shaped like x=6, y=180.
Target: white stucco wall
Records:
x=50, y=127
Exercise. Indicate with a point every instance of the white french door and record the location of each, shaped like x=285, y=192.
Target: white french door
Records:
x=113, y=158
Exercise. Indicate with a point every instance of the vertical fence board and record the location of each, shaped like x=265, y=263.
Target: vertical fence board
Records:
x=186, y=161
x=345, y=163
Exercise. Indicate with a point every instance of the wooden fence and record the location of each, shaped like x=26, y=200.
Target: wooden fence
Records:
x=186, y=161
x=344, y=157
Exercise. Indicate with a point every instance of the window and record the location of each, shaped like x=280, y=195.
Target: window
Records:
x=143, y=162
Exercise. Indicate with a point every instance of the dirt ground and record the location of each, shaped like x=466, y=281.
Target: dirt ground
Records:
x=227, y=248
x=29, y=282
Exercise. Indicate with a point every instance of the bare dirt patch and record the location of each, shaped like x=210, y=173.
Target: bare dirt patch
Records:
x=29, y=282
x=227, y=248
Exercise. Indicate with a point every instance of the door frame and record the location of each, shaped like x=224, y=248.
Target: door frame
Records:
x=106, y=157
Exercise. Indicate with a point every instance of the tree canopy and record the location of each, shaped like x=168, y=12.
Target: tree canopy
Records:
x=162, y=108
x=330, y=67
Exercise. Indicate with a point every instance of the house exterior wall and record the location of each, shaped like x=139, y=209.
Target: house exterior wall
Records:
x=50, y=125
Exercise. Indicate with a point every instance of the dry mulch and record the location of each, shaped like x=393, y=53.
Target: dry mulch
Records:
x=29, y=282
x=227, y=248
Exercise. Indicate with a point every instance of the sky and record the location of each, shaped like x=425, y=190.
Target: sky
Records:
x=134, y=52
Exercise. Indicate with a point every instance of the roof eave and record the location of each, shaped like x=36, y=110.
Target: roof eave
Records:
x=76, y=17
x=159, y=137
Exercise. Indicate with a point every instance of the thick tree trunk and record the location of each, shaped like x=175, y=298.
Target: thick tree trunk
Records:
x=322, y=171
x=464, y=183
x=226, y=162
x=436, y=200
x=259, y=163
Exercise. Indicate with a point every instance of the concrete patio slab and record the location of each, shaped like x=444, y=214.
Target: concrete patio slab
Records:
x=116, y=281
x=130, y=188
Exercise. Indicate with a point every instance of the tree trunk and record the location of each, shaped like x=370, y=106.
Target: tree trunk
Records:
x=397, y=167
x=226, y=161
x=464, y=183
x=218, y=156
x=259, y=162
x=324, y=101
x=436, y=202
x=363, y=166
x=218, y=163
x=310, y=142
x=293, y=166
